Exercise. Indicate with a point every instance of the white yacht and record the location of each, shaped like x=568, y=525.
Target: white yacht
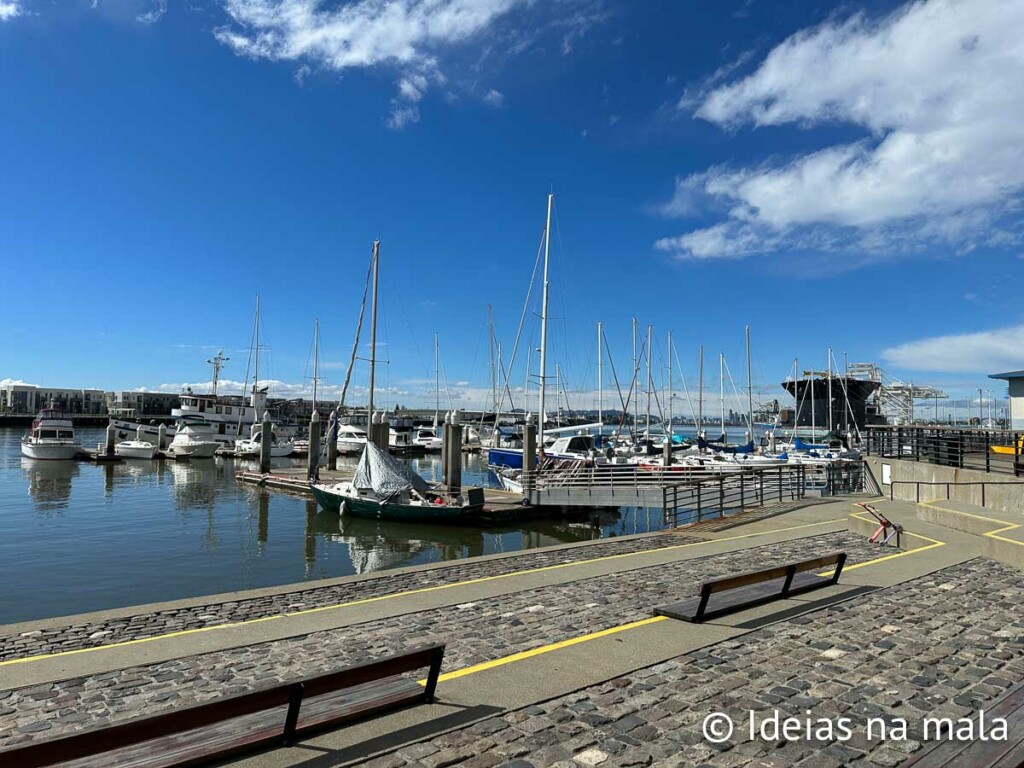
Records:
x=251, y=446
x=351, y=440
x=52, y=436
x=427, y=439
x=193, y=439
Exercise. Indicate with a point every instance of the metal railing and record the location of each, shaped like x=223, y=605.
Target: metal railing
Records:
x=986, y=450
x=696, y=494
x=949, y=486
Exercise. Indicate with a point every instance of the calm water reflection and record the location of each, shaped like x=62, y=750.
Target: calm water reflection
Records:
x=76, y=537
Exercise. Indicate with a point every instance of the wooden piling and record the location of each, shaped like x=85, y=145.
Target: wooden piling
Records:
x=266, y=439
x=313, y=457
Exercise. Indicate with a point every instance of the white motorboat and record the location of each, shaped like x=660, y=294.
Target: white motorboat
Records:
x=135, y=449
x=251, y=447
x=52, y=436
x=351, y=440
x=427, y=439
x=193, y=440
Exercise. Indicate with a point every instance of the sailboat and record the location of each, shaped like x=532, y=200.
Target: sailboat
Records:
x=251, y=446
x=383, y=488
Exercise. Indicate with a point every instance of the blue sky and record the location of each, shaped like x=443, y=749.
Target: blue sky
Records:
x=828, y=177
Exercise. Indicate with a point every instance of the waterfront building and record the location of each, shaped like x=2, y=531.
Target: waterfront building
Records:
x=28, y=399
x=143, y=403
x=1015, y=383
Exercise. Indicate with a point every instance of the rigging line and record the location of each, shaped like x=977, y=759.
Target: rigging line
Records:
x=355, y=345
x=245, y=386
x=689, y=401
x=736, y=394
x=522, y=319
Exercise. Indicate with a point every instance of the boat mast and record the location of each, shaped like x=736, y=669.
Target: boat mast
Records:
x=721, y=390
x=373, y=329
x=437, y=379
x=544, y=325
x=600, y=380
x=700, y=391
x=668, y=434
x=217, y=361
x=256, y=376
x=830, y=425
x=316, y=357
x=750, y=391
x=636, y=363
x=649, y=332
x=494, y=374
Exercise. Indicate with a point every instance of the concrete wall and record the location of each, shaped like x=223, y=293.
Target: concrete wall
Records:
x=1003, y=491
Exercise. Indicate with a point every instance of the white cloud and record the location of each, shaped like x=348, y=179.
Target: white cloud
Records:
x=495, y=98
x=410, y=36
x=15, y=383
x=937, y=88
x=984, y=352
x=9, y=9
x=155, y=13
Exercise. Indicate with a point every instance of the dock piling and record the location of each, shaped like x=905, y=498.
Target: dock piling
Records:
x=266, y=438
x=453, y=452
x=111, y=438
x=161, y=437
x=313, y=458
x=332, y=441
x=529, y=452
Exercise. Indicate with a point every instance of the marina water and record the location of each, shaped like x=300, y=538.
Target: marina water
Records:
x=81, y=537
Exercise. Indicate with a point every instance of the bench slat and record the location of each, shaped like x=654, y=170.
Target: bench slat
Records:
x=250, y=732
x=767, y=574
x=105, y=739
x=741, y=597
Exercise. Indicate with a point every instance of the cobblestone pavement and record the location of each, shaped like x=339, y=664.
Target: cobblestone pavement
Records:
x=474, y=632
x=943, y=645
x=99, y=633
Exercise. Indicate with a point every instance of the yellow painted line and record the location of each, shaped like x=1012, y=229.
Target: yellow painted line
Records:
x=423, y=590
x=545, y=649
x=991, y=534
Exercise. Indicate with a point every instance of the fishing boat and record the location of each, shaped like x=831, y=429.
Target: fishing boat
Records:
x=383, y=488
x=135, y=449
x=52, y=436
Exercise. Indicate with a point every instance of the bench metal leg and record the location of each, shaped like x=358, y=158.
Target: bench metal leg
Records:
x=790, y=573
x=435, y=671
x=292, y=719
x=839, y=567
x=705, y=595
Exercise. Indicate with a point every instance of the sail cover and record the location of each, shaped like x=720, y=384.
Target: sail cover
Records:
x=384, y=475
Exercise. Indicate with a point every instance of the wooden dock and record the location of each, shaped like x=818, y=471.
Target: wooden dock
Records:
x=499, y=506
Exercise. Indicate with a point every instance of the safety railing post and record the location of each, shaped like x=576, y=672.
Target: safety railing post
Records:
x=988, y=453
x=721, y=496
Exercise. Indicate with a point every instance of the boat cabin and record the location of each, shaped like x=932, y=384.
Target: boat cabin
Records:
x=582, y=445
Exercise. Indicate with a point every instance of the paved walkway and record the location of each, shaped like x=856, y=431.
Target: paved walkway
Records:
x=909, y=651
x=475, y=632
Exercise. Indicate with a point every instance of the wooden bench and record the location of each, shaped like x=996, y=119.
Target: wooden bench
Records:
x=755, y=588
x=978, y=753
x=273, y=716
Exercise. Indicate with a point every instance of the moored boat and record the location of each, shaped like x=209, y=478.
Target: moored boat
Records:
x=385, y=489
x=193, y=440
x=52, y=436
x=135, y=449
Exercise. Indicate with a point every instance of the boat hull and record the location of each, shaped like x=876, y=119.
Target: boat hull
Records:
x=139, y=451
x=50, y=451
x=369, y=509
x=194, y=450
